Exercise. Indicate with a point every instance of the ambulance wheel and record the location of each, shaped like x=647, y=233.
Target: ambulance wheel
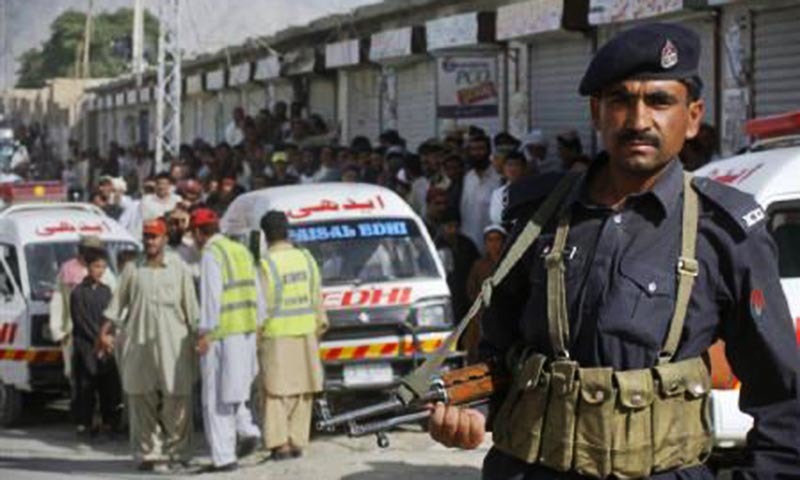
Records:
x=10, y=405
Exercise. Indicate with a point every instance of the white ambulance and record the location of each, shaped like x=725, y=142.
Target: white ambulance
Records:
x=35, y=239
x=384, y=286
x=770, y=171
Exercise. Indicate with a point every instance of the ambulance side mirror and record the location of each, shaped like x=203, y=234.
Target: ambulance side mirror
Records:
x=446, y=255
x=6, y=281
x=6, y=288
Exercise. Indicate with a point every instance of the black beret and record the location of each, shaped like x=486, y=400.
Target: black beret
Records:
x=654, y=51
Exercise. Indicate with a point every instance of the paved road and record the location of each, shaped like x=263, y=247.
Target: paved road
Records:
x=46, y=448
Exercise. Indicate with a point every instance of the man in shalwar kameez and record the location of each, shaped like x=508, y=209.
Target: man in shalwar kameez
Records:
x=231, y=309
x=155, y=307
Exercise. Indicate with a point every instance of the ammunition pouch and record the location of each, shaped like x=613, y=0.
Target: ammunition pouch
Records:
x=519, y=421
x=600, y=422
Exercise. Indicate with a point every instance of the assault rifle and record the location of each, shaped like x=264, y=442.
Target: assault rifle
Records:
x=469, y=386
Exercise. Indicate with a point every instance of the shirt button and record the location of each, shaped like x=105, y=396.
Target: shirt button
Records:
x=651, y=287
x=618, y=219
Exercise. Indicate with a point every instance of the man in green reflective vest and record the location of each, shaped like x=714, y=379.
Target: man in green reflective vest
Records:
x=291, y=370
x=230, y=310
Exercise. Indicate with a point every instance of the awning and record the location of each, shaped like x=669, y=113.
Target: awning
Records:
x=398, y=43
x=347, y=53
x=539, y=16
x=610, y=11
x=465, y=30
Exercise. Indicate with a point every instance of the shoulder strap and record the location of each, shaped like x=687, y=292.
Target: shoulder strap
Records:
x=557, y=318
x=688, y=268
x=417, y=382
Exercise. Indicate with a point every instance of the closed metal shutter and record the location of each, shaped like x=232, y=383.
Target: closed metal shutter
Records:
x=363, y=106
x=416, y=102
x=282, y=91
x=230, y=99
x=557, y=64
x=777, y=61
x=322, y=98
x=190, y=113
x=255, y=98
x=209, y=126
x=704, y=27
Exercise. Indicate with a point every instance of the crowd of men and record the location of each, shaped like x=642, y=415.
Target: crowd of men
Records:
x=457, y=183
x=149, y=332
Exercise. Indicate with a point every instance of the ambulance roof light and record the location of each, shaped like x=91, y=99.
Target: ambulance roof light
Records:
x=52, y=206
x=20, y=192
x=774, y=126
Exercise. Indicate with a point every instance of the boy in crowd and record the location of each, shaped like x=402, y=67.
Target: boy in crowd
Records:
x=94, y=368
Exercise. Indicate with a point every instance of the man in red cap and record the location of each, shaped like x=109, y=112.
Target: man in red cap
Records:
x=155, y=308
x=231, y=310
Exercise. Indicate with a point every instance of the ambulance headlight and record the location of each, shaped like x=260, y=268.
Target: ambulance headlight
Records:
x=434, y=314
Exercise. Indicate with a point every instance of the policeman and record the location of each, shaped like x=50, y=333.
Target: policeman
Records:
x=290, y=367
x=230, y=310
x=605, y=320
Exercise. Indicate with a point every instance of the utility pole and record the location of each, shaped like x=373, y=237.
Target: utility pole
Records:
x=138, y=42
x=4, y=42
x=168, y=95
x=87, y=42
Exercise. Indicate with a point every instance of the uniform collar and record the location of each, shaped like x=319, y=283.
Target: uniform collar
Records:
x=281, y=245
x=214, y=239
x=168, y=258
x=666, y=191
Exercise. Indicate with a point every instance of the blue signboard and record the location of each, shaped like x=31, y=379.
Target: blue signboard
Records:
x=349, y=230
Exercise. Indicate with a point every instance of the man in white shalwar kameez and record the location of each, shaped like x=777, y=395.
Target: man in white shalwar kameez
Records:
x=228, y=361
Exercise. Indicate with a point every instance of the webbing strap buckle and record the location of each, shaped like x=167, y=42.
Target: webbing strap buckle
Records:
x=688, y=266
x=554, y=259
x=487, y=289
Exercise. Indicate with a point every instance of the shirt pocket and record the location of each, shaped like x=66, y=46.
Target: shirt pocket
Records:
x=642, y=303
x=167, y=294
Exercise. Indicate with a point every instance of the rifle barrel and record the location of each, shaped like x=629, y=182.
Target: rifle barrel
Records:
x=363, y=429
x=387, y=424
x=365, y=412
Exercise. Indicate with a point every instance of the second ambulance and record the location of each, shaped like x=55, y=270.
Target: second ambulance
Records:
x=384, y=285
x=770, y=171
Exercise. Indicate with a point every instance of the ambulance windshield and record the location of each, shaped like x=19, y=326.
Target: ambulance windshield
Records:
x=360, y=251
x=785, y=228
x=44, y=260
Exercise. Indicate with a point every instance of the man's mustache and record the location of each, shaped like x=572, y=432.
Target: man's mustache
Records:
x=630, y=136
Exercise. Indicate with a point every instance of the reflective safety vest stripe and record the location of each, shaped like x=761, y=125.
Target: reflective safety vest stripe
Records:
x=239, y=302
x=292, y=290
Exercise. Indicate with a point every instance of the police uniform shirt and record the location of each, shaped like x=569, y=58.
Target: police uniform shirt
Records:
x=621, y=287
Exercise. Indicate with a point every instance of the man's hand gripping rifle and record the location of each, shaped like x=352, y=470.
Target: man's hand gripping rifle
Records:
x=470, y=386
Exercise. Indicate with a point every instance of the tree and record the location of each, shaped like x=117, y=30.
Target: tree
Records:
x=110, y=50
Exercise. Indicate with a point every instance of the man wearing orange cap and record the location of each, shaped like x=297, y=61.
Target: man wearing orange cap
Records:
x=230, y=312
x=155, y=307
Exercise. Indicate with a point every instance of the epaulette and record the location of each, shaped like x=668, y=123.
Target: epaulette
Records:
x=740, y=207
x=528, y=192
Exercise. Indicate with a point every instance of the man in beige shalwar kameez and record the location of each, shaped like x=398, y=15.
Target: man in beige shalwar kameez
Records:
x=155, y=307
x=291, y=370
